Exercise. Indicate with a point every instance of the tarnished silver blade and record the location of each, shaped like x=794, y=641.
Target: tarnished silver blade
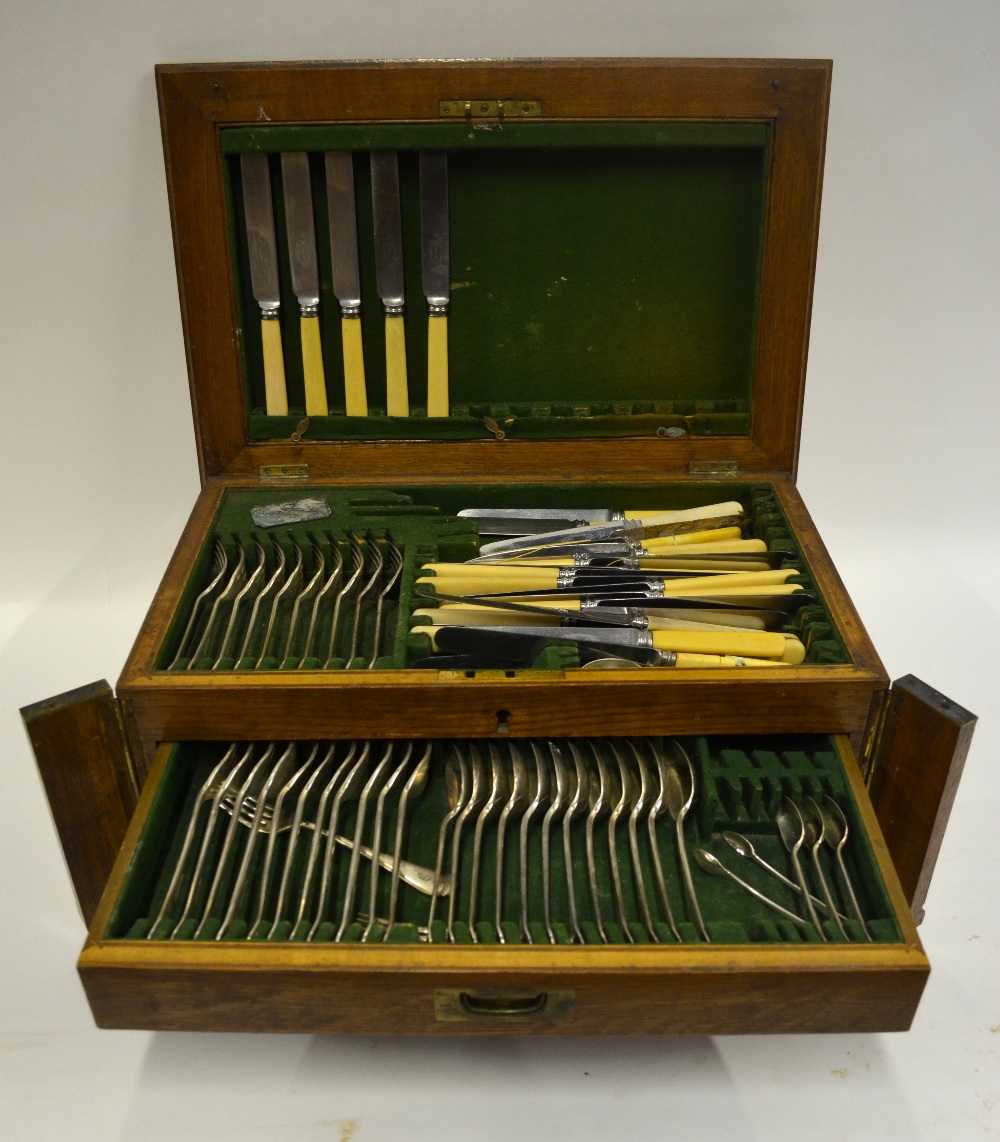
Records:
x=343, y=228
x=259, y=213
x=526, y=525
x=301, y=228
x=517, y=515
x=388, y=227
x=612, y=636
x=435, y=265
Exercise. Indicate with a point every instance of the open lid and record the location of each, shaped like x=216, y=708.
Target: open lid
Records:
x=632, y=246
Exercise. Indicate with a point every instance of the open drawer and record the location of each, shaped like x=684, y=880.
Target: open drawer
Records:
x=589, y=945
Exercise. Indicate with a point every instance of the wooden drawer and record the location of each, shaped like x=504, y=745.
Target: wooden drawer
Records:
x=753, y=976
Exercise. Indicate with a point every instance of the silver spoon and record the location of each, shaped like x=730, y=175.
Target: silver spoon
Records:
x=643, y=804
x=793, y=834
x=657, y=809
x=601, y=793
x=744, y=846
x=680, y=792
x=712, y=865
x=623, y=807
x=815, y=835
x=835, y=828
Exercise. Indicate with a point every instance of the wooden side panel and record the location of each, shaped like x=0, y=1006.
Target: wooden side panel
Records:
x=89, y=781
x=915, y=774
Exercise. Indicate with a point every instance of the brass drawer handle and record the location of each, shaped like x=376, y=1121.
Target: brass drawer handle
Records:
x=454, y=1005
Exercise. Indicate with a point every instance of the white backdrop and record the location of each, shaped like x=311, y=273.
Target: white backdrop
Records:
x=899, y=467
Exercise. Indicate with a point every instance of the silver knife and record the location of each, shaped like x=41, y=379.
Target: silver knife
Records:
x=436, y=273
x=305, y=274
x=342, y=215
x=259, y=212
x=389, y=276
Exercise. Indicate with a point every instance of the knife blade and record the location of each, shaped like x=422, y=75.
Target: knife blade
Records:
x=436, y=272
x=389, y=276
x=258, y=211
x=525, y=647
x=728, y=514
x=301, y=228
x=343, y=219
x=622, y=642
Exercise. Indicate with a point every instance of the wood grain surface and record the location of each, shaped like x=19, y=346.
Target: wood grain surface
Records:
x=197, y=101
x=915, y=773
x=79, y=745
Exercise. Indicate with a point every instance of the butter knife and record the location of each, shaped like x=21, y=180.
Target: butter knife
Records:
x=259, y=213
x=342, y=215
x=305, y=274
x=389, y=276
x=436, y=273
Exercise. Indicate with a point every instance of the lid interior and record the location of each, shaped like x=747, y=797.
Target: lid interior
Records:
x=604, y=277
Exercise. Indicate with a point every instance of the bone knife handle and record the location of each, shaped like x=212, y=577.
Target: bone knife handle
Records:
x=275, y=392
x=355, y=391
x=437, y=365
x=312, y=367
x=396, y=393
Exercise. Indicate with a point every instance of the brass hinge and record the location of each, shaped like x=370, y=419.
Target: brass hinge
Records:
x=872, y=753
x=498, y=109
x=716, y=469
x=283, y=473
x=131, y=745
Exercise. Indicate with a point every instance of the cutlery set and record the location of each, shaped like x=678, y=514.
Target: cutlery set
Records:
x=299, y=217
x=673, y=588
x=258, y=860
x=277, y=602
x=516, y=841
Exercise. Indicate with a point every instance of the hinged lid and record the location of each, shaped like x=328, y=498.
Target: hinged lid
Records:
x=632, y=245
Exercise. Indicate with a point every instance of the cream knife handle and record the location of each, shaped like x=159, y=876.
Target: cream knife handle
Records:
x=397, y=398
x=437, y=365
x=312, y=367
x=275, y=391
x=355, y=392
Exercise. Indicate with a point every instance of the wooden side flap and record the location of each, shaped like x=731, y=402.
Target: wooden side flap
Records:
x=918, y=760
x=89, y=779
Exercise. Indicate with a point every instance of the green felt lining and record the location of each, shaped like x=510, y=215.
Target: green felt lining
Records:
x=604, y=278
x=739, y=782
x=419, y=522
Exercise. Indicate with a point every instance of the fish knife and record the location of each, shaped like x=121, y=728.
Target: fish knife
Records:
x=436, y=272
x=389, y=276
x=305, y=274
x=259, y=212
x=651, y=524
x=343, y=220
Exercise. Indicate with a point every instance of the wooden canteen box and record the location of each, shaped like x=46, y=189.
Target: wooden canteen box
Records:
x=630, y=256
